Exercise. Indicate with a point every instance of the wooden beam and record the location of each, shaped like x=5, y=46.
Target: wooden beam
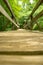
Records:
x=34, y=19
x=38, y=15
x=37, y=5
x=9, y=7
x=7, y=16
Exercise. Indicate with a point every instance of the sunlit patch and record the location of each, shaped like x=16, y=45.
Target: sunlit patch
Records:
x=31, y=1
x=20, y=2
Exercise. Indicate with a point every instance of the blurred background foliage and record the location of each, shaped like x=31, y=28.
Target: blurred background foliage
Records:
x=21, y=9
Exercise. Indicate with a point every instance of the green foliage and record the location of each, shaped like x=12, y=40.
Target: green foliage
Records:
x=21, y=9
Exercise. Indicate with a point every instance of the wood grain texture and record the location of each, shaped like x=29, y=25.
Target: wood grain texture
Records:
x=21, y=60
x=21, y=47
x=21, y=40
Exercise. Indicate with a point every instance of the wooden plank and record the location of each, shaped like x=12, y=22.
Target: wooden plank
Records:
x=11, y=46
x=21, y=41
x=19, y=60
x=21, y=32
x=7, y=16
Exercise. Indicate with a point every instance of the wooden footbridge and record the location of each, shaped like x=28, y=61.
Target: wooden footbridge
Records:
x=21, y=47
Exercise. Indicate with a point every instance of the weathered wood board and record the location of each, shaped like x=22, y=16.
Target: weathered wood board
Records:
x=21, y=47
x=21, y=60
x=21, y=40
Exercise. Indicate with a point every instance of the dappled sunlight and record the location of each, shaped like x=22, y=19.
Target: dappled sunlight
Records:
x=31, y=1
